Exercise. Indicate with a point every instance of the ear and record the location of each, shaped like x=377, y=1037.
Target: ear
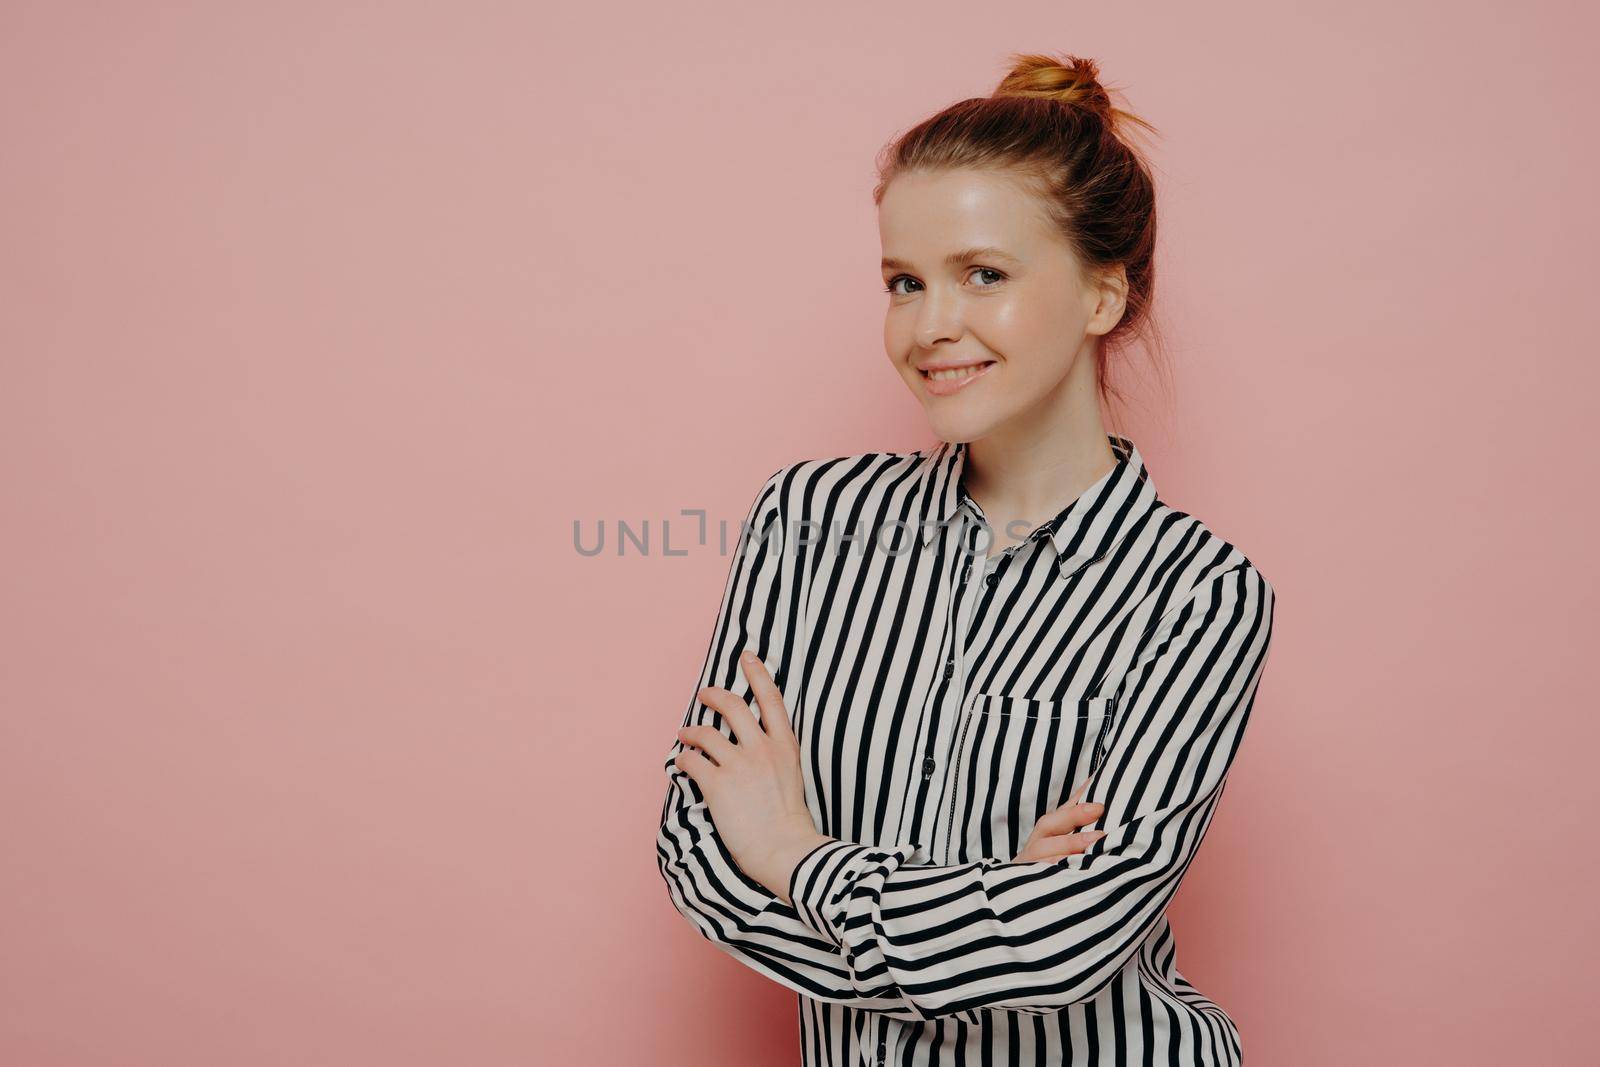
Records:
x=1109, y=289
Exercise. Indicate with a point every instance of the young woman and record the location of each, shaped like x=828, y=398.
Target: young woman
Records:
x=961, y=658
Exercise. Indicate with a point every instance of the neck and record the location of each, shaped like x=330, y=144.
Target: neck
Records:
x=1034, y=464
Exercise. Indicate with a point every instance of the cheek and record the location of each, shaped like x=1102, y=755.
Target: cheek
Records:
x=897, y=336
x=1028, y=327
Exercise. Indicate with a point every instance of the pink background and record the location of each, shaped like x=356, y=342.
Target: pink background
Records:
x=323, y=323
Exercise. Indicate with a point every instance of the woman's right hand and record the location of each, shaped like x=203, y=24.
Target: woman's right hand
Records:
x=1053, y=836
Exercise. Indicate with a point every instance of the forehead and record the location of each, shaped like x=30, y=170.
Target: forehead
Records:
x=926, y=216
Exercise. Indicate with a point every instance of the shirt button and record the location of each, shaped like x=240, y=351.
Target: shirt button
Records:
x=927, y=767
x=949, y=670
x=990, y=579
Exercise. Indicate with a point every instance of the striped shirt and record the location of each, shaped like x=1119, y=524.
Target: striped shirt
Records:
x=944, y=700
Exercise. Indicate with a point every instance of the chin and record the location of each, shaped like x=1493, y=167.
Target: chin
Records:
x=959, y=426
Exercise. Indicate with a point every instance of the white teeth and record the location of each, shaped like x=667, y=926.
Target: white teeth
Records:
x=956, y=372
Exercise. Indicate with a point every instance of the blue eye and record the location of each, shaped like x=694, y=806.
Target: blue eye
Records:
x=999, y=277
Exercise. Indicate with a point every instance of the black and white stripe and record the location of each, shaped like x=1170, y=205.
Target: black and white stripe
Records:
x=944, y=701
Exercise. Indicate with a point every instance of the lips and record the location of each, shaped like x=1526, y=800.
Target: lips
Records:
x=954, y=378
x=940, y=368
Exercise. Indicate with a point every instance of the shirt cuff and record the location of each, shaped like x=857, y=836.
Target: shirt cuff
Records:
x=821, y=883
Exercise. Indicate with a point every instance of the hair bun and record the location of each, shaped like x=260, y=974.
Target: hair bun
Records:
x=1070, y=79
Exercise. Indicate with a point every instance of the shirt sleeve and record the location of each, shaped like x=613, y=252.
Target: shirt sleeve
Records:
x=732, y=910
x=1036, y=936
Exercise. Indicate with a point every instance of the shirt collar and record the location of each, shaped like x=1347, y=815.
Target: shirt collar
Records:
x=1082, y=532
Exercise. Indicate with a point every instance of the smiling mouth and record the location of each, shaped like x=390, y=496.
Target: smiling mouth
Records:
x=955, y=374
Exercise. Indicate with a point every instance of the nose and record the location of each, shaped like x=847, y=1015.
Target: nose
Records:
x=938, y=319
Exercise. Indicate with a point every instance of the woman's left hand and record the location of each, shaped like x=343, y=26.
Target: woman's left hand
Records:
x=752, y=784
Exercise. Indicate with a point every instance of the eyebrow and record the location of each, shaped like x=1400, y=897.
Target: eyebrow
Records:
x=962, y=256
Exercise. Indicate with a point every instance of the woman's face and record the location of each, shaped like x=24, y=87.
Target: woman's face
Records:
x=978, y=278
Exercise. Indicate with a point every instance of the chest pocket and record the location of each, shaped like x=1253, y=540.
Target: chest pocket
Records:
x=1016, y=759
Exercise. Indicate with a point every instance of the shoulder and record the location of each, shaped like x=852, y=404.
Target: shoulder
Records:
x=807, y=487
x=1200, y=564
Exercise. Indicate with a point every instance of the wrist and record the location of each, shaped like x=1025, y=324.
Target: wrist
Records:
x=781, y=860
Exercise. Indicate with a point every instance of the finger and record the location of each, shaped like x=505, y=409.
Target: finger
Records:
x=1077, y=794
x=774, y=715
x=696, y=766
x=738, y=714
x=710, y=740
x=1070, y=817
x=1069, y=844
